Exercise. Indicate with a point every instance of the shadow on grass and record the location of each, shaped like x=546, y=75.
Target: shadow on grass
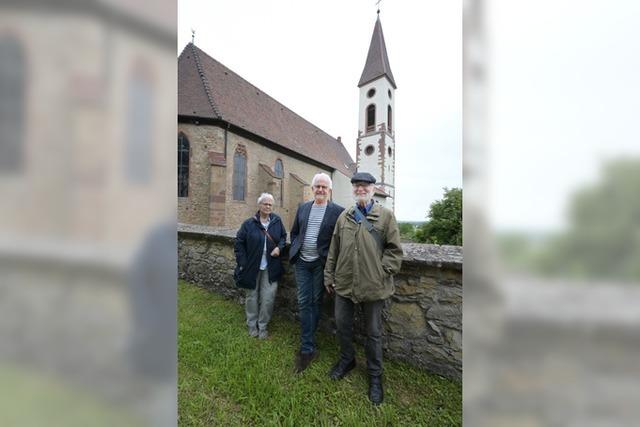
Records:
x=226, y=377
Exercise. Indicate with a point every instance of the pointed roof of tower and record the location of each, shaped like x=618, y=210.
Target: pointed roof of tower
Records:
x=377, y=64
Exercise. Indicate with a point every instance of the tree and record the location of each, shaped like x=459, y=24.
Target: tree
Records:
x=407, y=230
x=603, y=237
x=444, y=225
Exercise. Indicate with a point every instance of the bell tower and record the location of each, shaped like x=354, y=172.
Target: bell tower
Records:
x=375, y=149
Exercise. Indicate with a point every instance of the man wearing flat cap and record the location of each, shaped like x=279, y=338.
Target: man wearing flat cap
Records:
x=364, y=255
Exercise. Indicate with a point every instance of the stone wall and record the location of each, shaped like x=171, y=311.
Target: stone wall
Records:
x=422, y=321
x=207, y=148
x=194, y=209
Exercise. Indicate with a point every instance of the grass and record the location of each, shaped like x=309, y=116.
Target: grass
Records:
x=227, y=378
x=36, y=399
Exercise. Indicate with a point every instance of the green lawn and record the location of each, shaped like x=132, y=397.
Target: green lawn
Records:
x=227, y=378
x=31, y=398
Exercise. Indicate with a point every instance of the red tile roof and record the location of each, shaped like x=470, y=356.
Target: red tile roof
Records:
x=208, y=89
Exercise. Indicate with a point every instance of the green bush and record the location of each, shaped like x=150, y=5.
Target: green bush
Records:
x=444, y=226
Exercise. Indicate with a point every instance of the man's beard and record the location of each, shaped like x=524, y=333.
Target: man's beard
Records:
x=321, y=197
x=364, y=198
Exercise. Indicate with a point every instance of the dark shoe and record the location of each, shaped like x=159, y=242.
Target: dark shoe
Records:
x=303, y=360
x=375, y=390
x=341, y=369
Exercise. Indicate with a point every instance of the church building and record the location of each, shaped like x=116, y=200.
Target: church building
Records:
x=236, y=142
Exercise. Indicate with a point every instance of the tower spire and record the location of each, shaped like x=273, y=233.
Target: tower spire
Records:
x=377, y=64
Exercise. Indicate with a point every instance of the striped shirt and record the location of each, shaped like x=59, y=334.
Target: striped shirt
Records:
x=309, y=250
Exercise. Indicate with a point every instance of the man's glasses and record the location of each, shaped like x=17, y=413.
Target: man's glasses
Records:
x=361, y=184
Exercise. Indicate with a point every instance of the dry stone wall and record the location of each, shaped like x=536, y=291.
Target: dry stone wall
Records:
x=422, y=321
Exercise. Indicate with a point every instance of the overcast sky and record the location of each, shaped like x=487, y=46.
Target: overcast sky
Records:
x=564, y=97
x=309, y=56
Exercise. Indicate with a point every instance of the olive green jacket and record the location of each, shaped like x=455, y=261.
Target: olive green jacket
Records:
x=355, y=264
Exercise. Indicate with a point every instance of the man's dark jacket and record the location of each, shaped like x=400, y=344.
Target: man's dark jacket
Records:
x=324, y=235
x=248, y=248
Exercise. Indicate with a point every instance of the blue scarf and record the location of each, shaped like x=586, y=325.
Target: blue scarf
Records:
x=359, y=212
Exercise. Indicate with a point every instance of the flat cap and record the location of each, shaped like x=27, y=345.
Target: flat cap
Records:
x=363, y=177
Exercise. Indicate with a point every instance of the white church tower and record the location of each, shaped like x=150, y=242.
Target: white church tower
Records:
x=375, y=152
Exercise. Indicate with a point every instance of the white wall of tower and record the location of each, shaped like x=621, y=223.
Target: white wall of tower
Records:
x=379, y=158
x=341, y=192
x=381, y=99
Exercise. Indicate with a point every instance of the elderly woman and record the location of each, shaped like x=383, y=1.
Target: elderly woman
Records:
x=258, y=246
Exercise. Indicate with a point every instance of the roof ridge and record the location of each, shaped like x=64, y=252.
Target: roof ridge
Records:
x=315, y=126
x=269, y=96
x=204, y=80
x=232, y=98
x=183, y=50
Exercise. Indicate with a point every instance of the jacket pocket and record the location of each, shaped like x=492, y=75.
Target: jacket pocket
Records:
x=370, y=272
x=379, y=273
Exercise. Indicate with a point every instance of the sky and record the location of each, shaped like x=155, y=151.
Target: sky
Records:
x=563, y=98
x=309, y=57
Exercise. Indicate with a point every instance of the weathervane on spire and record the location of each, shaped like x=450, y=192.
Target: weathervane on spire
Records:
x=378, y=4
x=193, y=35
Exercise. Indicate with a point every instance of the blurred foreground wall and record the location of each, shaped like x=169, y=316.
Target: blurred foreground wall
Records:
x=550, y=324
x=87, y=225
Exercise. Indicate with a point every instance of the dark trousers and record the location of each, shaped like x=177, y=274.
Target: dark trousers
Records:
x=372, y=310
x=310, y=280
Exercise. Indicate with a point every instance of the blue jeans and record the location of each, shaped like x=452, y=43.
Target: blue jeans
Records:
x=310, y=280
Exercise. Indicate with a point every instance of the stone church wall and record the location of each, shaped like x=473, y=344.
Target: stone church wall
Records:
x=198, y=207
x=422, y=321
x=194, y=209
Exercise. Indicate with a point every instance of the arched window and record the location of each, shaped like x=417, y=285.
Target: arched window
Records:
x=183, y=165
x=279, y=170
x=12, y=99
x=389, y=117
x=239, y=174
x=139, y=150
x=371, y=117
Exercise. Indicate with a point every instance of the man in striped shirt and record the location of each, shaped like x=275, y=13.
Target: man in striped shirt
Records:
x=310, y=238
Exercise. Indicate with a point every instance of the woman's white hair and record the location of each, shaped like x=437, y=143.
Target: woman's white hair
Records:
x=264, y=196
x=317, y=176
